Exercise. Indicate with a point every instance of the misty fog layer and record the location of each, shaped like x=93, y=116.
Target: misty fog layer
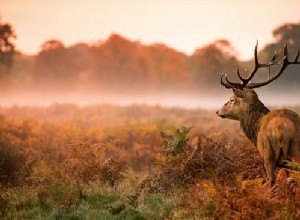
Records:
x=122, y=72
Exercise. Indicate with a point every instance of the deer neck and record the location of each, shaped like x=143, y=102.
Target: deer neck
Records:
x=250, y=120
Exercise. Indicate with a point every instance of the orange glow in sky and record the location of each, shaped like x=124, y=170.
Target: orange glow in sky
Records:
x=184, y=25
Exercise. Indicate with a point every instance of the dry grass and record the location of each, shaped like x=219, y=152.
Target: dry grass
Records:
x=53, y=159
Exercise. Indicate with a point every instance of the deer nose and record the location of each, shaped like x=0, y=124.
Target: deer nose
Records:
x=217, y=112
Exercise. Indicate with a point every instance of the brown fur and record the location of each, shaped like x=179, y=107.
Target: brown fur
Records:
x=276, y=134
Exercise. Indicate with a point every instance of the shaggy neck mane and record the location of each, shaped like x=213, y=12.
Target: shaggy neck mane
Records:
x=250, y=120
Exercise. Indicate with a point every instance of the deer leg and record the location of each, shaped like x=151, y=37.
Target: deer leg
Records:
x=294, y=150
x=270, y=165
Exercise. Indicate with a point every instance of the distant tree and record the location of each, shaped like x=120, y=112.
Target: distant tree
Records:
x=289, y=33
x=118, y=64
x=165, y=68
x=285, y=34
x=7, y=47
x=82, y=64
x=52, y=45
x=208, y=62
x=52, y=66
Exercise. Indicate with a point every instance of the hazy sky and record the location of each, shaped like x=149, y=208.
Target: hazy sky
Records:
x=184, y=25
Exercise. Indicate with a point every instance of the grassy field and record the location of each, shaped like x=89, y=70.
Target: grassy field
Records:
x=134, y=162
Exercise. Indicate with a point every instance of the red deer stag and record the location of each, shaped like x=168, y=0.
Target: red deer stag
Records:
x=276, y=134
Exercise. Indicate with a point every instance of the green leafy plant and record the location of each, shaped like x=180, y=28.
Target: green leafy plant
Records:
x=177, y=140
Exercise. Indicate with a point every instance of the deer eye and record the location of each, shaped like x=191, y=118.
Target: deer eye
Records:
x=232, y=100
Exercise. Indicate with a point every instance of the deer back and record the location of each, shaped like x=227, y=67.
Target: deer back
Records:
x=279, y=129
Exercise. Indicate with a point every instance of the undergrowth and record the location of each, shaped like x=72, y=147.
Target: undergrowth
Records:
x=136, y=170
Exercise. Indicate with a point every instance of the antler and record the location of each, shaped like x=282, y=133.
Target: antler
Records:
x=246, y=82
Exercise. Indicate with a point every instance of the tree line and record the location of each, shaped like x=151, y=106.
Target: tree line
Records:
x=118, y=64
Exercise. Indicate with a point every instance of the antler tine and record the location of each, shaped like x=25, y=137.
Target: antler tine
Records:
x=255, y=54
x=297, y=55
x=246, y=80
x=256, y=67
x=232, y=83
x=281, y=70
x=228, y=84
x=284, y=62
x=276, y=54
x=269, y=64
x=239, y=75
x=285, y=51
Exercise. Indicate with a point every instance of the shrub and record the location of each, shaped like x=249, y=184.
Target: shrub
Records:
x=208, y=159
x=111, y=172
x=83, y=161
x=87, y=162
x=14, y=164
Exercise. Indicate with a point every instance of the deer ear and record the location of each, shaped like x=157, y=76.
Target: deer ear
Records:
x=239, y=93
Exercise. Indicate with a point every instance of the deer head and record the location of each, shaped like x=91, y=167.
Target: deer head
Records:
x=245, y=97
x=237, y=106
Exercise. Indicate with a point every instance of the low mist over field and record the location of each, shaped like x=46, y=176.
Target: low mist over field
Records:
x=190, y=101
x=121, y=71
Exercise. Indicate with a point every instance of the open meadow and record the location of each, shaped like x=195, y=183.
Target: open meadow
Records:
x=134, y=162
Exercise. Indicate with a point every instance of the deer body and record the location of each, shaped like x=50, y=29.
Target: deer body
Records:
x=276, y=134
x=278, y=139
